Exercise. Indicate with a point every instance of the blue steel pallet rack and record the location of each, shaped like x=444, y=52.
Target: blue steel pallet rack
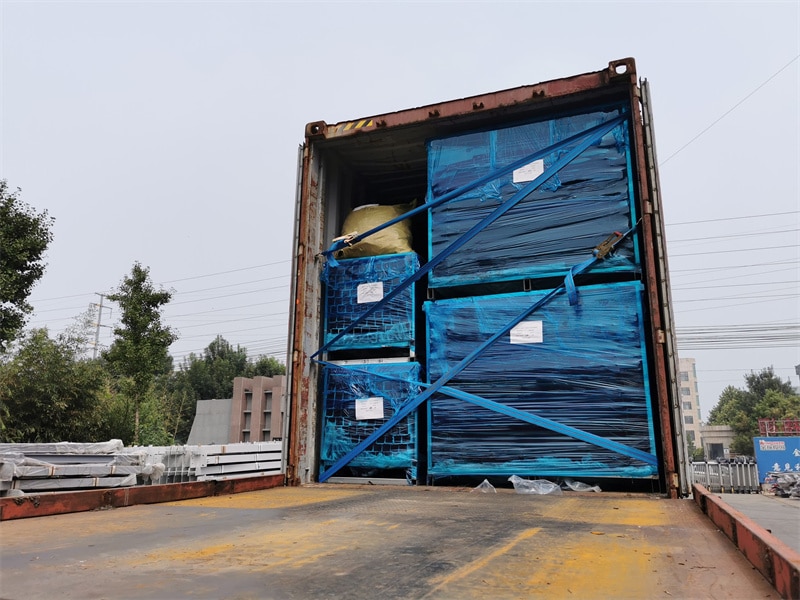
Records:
x=566, y=150
x=349, y=390
x=550, y=229
x=581, y=366
x=352, y=286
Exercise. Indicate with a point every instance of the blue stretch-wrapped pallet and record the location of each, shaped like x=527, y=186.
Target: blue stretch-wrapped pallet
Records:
x=351, y=395
x=552, y=228
x=582, y=366
x=353, y=286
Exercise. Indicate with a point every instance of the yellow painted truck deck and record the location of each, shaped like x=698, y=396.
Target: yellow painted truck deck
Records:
x=369, y=542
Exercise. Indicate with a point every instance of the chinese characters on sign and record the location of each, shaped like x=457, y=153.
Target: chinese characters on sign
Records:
x=777, y=455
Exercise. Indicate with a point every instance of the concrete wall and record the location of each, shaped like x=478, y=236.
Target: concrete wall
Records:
x=212, y=422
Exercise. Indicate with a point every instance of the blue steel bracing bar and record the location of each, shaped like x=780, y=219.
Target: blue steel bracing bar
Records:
x=589, y=136
x=440, y=383
x=343, y=242
x=515, y=413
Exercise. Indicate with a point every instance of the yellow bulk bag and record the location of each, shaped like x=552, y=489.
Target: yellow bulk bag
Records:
x=390, y=240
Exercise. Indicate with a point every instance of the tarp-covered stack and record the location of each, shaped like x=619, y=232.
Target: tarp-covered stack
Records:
x=563, y=373
x=72, y=466
x=553, y=226
x=360, y=398
x=369, y=346
x=565, y=392
x=65, y=466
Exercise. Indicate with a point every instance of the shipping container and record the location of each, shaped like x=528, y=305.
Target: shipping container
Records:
x=509, y=249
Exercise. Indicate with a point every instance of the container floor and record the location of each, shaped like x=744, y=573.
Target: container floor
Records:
x=388, y=542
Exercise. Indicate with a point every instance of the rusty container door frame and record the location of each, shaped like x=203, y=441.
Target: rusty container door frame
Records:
x=676, y=434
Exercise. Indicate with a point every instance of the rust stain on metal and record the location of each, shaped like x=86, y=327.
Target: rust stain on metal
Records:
x=776, y=561
x=88, y=500
x=654, y=301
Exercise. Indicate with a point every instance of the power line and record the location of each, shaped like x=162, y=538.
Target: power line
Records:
x=229, y=285
x=280, y=262
x=730, y=110
x=277, y=287
x=748, y=249
x=746, y=297
x=733, y=235
x=731, y=285
x=706, y=280
x=764, y=264
x=739, y=336
x=791, y=212
x=759, y=301
x=216, y=310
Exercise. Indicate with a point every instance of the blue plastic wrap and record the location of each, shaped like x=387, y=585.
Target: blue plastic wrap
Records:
x=582, y=366
x=555, y=226
x=343, y=387
x=353, y=286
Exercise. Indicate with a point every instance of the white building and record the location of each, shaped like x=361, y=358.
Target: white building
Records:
x=690, y=401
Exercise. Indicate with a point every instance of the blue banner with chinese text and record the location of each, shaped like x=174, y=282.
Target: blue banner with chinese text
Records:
x=776, y=455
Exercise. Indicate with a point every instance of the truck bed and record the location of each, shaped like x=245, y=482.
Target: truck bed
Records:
x=389, y=542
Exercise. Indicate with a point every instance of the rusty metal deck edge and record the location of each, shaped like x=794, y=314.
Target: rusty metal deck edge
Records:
x=40, y=505
x=776, y=561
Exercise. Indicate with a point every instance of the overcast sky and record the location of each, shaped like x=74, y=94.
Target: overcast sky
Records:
x=167, y=133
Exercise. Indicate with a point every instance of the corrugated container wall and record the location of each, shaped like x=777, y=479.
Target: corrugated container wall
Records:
x=513, y=319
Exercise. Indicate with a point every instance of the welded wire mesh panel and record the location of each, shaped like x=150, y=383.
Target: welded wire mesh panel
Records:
x=581, y=366
x=357, y=401
x=354, y=286
x=551, y=229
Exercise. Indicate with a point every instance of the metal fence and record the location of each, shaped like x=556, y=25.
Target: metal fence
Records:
x=731, y=478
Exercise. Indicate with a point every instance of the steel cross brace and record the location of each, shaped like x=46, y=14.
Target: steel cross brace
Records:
x=589, y=137
x=439, y=386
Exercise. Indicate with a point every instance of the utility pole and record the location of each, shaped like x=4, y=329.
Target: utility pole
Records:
x=98, y=324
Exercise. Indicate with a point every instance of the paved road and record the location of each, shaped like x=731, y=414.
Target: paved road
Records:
x=780, y=516
x=367, y=542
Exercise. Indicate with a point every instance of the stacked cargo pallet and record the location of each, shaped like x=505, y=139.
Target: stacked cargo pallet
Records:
x=215, y=461
x=62, y=466
x=35, y=468
x=368, y=368
x=564, y=392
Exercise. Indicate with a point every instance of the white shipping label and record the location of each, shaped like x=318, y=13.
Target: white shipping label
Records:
x=369, y=408
x=527, y=332
x=370, y=292
x=529, y=172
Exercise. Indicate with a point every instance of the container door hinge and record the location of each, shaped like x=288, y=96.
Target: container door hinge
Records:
x=661, y=337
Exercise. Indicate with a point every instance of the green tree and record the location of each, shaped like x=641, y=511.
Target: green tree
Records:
x=24, y=238
x=211, y=376
x=48, y=393
x=764, y=396
x=140, y=348
x=695, y=453
x=116, y=413
x=266, y=366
